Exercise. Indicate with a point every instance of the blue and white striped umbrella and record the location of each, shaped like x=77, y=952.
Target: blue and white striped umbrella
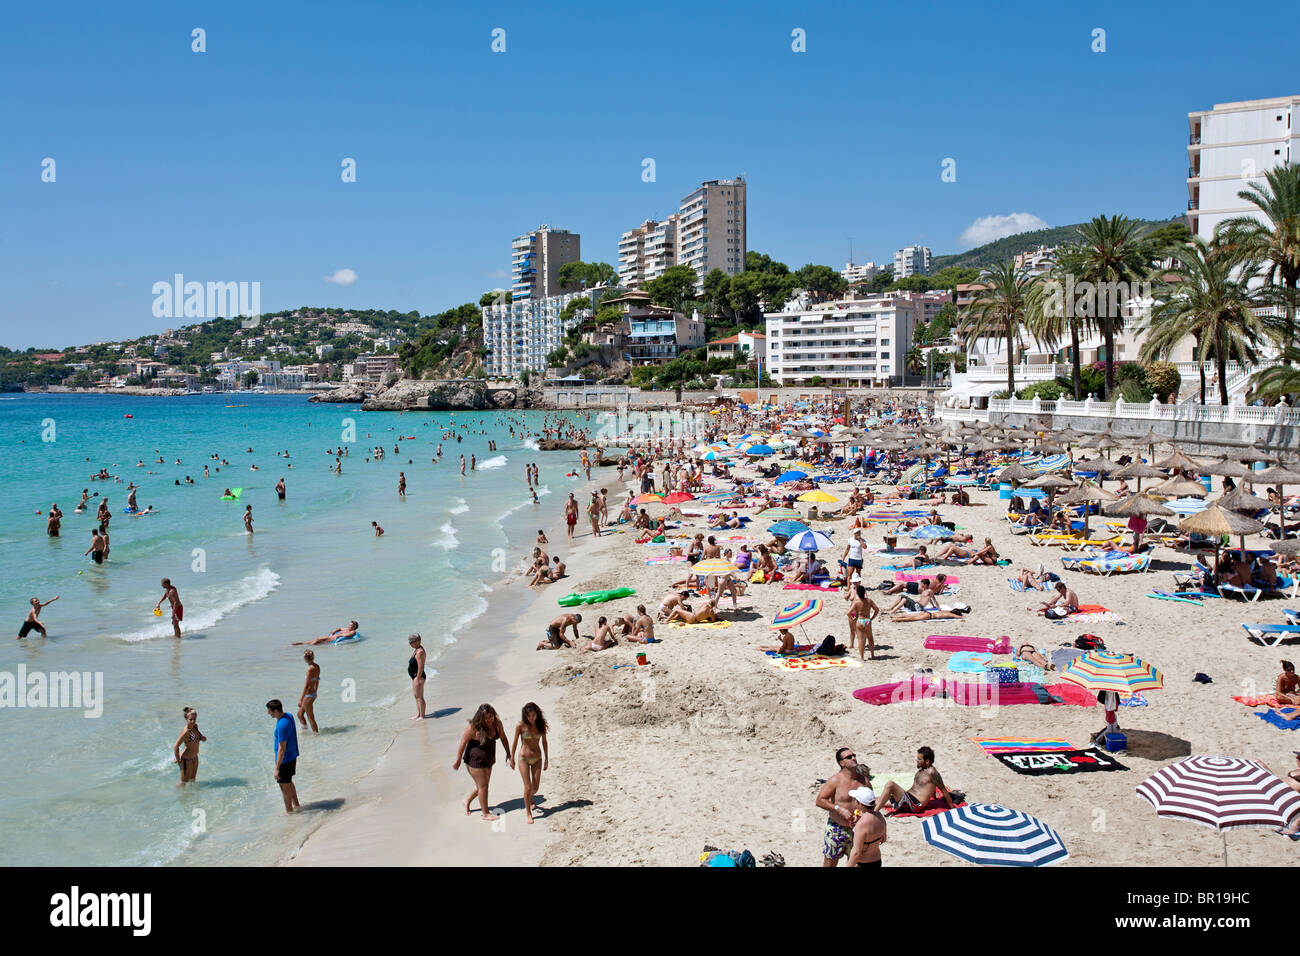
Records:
x=1051, y=464
x=961, y=481
x=1186, y=506
x=931, y=532
x=809, y=541
x=992, y=835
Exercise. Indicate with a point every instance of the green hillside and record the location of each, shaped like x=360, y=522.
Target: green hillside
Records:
x=989, y=253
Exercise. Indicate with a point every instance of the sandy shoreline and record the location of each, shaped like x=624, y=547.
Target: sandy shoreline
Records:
x=710, y=744
x=408, y=811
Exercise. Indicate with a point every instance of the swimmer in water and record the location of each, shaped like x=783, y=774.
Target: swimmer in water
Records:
x=334, y=635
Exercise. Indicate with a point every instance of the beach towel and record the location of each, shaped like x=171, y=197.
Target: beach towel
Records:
x=1091, y=614
x=666, y=559
x=1287, y=718
x=714, y=624
x=1037, y=763
x=807, y=587
x=972, y=662
x=955, y=642
x=935, y=806
x=1133, y=700
x=1003, y=744
x=1063, y=655
x=1073, y=694
x=907, y=567
x=809, y=661
x=917, y=576
x=1268, y=701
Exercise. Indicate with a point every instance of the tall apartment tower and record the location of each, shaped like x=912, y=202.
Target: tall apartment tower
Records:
x=535, y=260
x=646, y=251
x=912, y=261
x=1229, y=148
x=711, y=228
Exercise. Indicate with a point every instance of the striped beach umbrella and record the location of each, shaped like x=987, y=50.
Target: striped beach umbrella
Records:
x=992, y=835
x=931, y=532
x=1106, y=670
x=1221, y=792
x=810, y=541
x=787, y=528
x=779, y=513
x=797, y=613
x=961, y=481
x=713, y=566
x=1051, y=463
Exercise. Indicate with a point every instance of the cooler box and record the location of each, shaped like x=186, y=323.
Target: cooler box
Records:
x=1116, y=743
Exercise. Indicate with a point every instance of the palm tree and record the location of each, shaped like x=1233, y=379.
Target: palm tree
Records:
x=1274, y=244
x=999, y=310
x=1279, y=380
x=1204, y=296
x=1113, y=252
x=1050, y=318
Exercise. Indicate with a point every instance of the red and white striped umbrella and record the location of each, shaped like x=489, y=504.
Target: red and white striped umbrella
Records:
x=1221, y=792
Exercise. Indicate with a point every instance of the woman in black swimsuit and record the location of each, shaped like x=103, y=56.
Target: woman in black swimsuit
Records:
x=415, y=670
x=478, y=749
x=190, y=739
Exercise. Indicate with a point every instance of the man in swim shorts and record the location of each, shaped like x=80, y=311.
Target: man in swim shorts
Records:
x=33, y=622
x=172, y=596
x=555, y=638
x=837, y=838
x=286, y=754
x=925, y=785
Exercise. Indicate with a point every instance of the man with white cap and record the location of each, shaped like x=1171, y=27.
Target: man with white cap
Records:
x=868, y=831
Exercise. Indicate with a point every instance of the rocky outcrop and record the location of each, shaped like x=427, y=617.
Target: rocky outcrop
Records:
x=439, y=395
x=561, y=444
x=351, y=394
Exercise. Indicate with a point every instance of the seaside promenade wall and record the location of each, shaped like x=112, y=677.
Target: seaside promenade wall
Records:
x=595, y=396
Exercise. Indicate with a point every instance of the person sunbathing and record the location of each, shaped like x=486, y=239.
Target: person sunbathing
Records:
x=985, y=555
x=955, y=552
x=1287, y=689
x=1030, y=654
x=787, y=643
x=686, y=615
x=955, y=613
x=671, y=600
x=1065, y=603
x=1036, y=580
x=603, y=639
x=1265, y=573
x=924, y=599
x=926, y=786
x=920, y=559
x=339, y=633
x=916, y=587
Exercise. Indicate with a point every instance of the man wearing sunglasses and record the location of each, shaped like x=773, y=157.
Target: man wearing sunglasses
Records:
x=835, y=799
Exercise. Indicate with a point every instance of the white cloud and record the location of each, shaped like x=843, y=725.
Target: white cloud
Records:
x=988, y=228
x=342, y=277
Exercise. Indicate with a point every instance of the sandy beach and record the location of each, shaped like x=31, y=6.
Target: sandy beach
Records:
x=711, y=744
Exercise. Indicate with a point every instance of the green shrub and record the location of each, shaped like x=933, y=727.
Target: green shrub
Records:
x=1163, y=379
x=1044, y=391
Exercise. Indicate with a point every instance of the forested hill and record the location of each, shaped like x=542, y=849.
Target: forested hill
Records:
x=996, y=251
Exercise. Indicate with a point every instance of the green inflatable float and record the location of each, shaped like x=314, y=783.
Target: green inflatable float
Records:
x=234, y=494
x=594, y=597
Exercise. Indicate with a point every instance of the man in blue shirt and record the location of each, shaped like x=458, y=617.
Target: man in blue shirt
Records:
x=286, y=754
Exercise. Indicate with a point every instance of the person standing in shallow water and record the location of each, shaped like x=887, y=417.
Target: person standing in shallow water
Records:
x=415, y=670
x=478, y=750
x=190, y=739
x=307, y=702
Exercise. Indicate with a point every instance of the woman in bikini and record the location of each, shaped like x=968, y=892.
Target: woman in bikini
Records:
x=190, y=738
x=603, y=640
x=307, y=702
x=531, y=749
x=478, y=751
x=704, y=615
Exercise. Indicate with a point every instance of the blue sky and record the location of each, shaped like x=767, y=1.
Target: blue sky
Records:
x=225, y=165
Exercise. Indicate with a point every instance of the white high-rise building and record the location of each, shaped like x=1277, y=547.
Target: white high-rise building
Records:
x=860, y=273
x=646, y=251
x=711, y=228
x=1229, y=149
x=520, y=334
x=535, y=260
x=912, y=261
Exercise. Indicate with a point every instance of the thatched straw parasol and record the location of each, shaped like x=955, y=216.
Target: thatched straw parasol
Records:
x=1278, y=476
x=1139, y=505
x=1218, y=521
x=1179, y=461
x=1087, y=493
x=1138, y=470
x=1179, y=488
x=1225, y=467
x=1103, y=466
x=1241, y=501
x=1017, y=473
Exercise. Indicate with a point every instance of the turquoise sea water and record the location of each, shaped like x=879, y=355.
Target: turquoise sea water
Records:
x=102, y=790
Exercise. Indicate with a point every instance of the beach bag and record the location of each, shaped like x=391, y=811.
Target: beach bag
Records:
x=828, y=647
x=1089, y=642
x=1002, y=675
x=757, y=578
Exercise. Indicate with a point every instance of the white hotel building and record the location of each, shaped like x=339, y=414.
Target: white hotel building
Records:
x=856, y=342
x=519, y=335
x=1229, y=149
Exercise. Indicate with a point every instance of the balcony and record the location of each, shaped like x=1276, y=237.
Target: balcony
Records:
x=1194, y=139
x=1193, y=173
x=1193, y=204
